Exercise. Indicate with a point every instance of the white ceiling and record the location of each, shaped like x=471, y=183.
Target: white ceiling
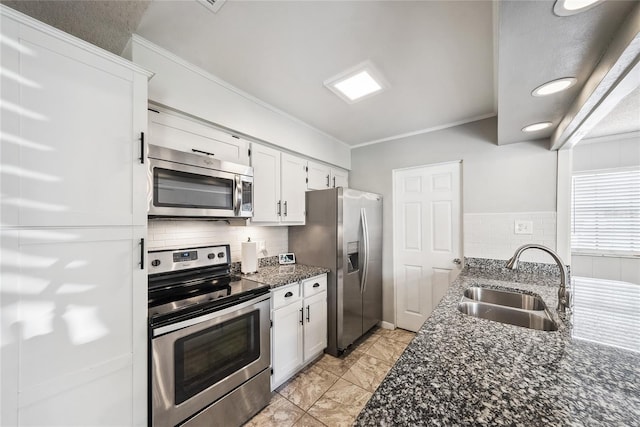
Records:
x=281, y=52
x=438, y=56
x=536, y=46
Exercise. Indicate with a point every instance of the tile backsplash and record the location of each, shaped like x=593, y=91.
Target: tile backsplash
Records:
x=175, y=234
x=493, y=235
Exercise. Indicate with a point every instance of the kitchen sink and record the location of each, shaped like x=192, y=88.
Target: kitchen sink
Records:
x=532, y=319
x=505, y=298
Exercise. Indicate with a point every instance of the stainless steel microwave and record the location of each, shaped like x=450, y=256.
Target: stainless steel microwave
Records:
x=197, y=186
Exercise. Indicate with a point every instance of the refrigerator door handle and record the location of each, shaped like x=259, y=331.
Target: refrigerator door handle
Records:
x=365, y=235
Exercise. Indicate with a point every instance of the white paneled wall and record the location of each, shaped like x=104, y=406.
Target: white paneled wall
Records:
x=492, y=235
x=167, y=234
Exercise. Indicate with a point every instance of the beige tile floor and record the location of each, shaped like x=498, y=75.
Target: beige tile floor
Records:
x=332, y=391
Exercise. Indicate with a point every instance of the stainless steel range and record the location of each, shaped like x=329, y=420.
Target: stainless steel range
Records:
x=209, y=340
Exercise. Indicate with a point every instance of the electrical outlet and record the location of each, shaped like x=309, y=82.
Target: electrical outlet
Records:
x=523, y=227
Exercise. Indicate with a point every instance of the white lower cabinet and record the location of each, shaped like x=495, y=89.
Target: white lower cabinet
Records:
x=299, y=326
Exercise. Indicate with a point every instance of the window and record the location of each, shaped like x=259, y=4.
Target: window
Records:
x=605, y=212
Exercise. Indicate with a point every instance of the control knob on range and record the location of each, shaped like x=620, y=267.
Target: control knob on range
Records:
x=155, y=262
x=220, y=254
x=211, y=256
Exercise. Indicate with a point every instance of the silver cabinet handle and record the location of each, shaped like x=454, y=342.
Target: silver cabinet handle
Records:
x=327, y=180
x=308, y=313
x=279, y=205
x=334, y=182
x=302, y=316
x=285, y=208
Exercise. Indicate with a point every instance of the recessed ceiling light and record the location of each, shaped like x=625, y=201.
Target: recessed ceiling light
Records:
x=571, y=7
x=357, y=83
x=554, y=86
x=536, y=126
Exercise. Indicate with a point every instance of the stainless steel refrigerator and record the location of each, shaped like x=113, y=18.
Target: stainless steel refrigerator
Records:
x=343, y=232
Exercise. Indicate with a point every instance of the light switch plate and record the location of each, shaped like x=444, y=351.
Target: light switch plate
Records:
x=523, y=227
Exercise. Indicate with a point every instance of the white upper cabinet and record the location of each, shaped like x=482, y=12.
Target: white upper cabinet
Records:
x=339, y=178
x=320, y=177
x=173, y=130
x=279, y=186
x=266, y=184
x=293, y=186
x=72, y=135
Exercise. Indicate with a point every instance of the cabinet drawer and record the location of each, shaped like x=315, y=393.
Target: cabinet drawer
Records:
x=285, y=295
x=314, y=285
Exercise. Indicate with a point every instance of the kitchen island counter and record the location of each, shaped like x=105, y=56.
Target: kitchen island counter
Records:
x=461, y=370
x=280, y=275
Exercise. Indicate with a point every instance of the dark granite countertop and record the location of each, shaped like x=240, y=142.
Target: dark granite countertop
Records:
x=461, y=370
x=280, y=275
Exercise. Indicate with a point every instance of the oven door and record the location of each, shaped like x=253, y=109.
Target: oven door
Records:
x=181, y=190
x=197, y=361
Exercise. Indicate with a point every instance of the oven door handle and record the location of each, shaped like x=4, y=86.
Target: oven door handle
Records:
x=162, y=330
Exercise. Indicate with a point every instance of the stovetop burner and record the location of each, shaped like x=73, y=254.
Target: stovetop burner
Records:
x=186, y=282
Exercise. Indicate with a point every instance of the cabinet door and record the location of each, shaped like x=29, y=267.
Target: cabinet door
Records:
x=339, y=178
x=315, y=327
x=173, y=130
x=266, y=184
x=318, y=175
x=293, y=181
x=80, y=327
x=286, y=343
x=74, y=135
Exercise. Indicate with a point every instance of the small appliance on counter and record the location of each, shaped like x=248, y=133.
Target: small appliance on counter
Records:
x=249, y=257
x=286, y=259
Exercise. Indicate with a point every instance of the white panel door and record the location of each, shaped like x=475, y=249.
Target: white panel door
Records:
x=426, y=238
x=266, y=184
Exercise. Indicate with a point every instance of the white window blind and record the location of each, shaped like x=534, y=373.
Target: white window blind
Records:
x=606, y=212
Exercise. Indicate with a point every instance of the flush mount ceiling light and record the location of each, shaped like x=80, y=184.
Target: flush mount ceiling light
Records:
x=571, y=7
x=554, y=86
x=536, y=126
x=357, y=83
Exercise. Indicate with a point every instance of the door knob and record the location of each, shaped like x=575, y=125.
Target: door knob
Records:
x=457, y=261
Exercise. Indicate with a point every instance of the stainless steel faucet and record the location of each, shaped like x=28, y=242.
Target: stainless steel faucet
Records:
x=563, y=296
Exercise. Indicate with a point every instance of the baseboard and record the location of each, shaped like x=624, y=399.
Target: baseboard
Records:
x=386, y=325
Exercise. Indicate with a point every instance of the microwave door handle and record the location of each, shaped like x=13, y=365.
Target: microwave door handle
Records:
x=238, y=196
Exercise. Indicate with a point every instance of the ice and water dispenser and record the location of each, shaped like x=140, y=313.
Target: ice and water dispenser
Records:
x=353, y=249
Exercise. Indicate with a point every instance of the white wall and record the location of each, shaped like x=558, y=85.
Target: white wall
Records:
x=606, y=153
x=499, y=184
x=183, y=86
x=168, y=234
